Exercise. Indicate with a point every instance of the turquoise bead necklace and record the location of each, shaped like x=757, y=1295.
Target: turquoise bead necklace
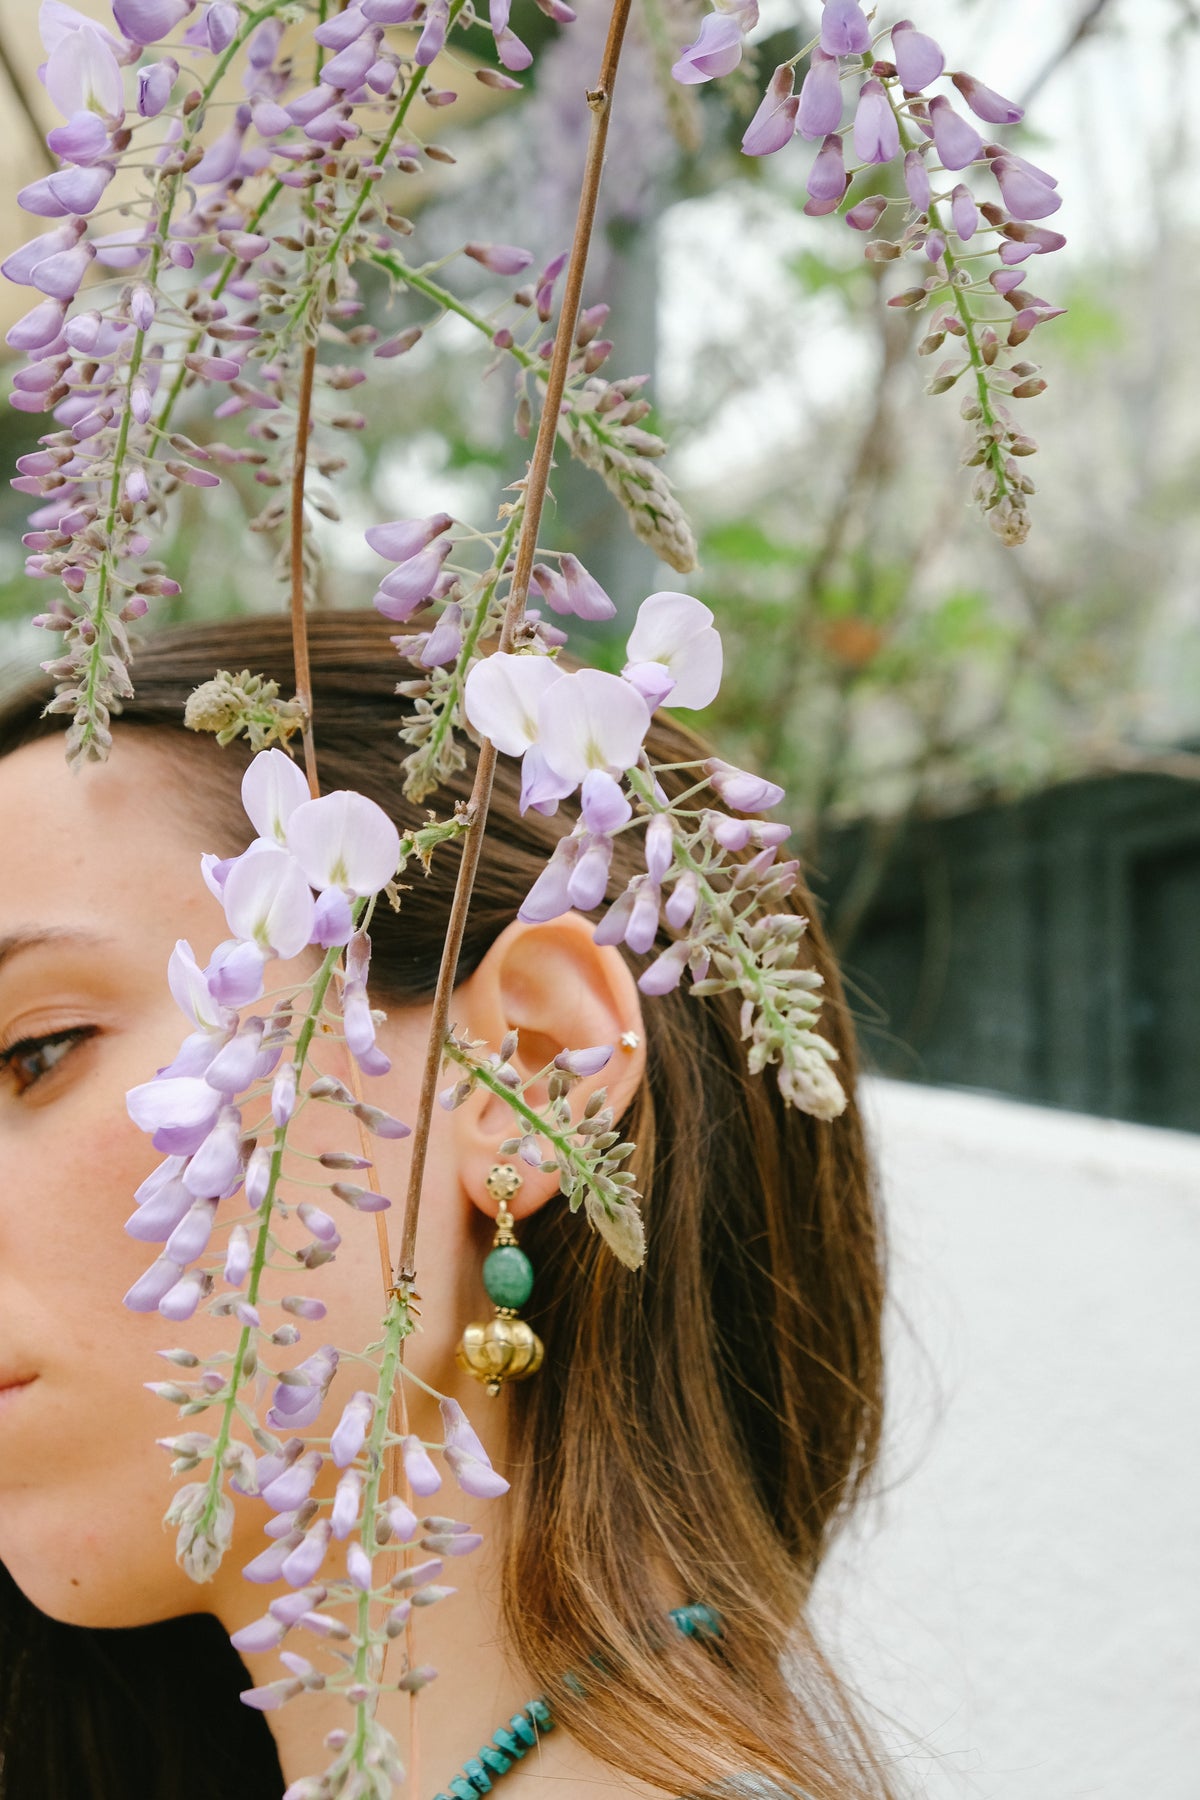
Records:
x=509, y=1743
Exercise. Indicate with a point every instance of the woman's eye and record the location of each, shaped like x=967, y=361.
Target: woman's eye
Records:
x=28, y=1061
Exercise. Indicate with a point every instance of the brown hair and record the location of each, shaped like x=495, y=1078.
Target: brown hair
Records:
x=701, y=1428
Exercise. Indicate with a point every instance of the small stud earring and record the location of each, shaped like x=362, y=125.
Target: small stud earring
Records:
x=629, y=1040
x=503, y=1348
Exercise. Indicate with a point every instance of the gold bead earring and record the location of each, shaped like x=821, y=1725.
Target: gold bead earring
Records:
x=503, y=1348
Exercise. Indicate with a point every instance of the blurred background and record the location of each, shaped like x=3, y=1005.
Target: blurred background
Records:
x=992, y=759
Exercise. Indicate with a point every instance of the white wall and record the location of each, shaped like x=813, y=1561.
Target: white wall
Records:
x=1025, y=1602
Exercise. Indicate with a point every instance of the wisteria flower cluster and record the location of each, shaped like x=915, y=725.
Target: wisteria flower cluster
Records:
x=942, y=214
x=245, y=251
x=221, y=1207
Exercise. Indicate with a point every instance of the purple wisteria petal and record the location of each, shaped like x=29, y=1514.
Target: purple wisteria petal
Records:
x=1025, y=196
x=344, y=840
x=333, y=920
x=268, y=901
x=958, y=144
x=477, y=1478
x=220, y=25
x=272, y=788
x=37, y=328
x=740, y=789
x=190, y=1237
x=502, y=694
x=585, y=889
x=82, y=74
x=844, y=29
x=774, y=124
x=423, y=1478
x=985, y=102
x=827, y=179
x=585, y=1062
x=677, y=632
x=548, y=898
x=20, y=265
x=500, y=259
x=350, y=1432
x=346, y=1502
x=716, y=50
x=659, y=847
x=411, y=583
x=916, y=180
x=665, y=972
x=179, y=1110
x=150, y=1288
x=153, y=1222
x=216, y=1166
x=918, y=58
x=154, y=86
x=820, y=109
x=433, y=35
x=83, y=139
x=585, y=598
x=682, y=902
x=292, y=1486
x=964, y=212
x=591, y=720
x=603, y=805
x=653, y=681
x=147, y=21
x=60, y=276
x=235, y=973
x=342, y=30
x=302, y=1563
x=867, y=213
x=876, y=132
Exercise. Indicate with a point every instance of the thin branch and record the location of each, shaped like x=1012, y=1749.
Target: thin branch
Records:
x=599, y=99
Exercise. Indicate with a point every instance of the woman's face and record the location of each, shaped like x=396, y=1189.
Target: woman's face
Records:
x=100, y=878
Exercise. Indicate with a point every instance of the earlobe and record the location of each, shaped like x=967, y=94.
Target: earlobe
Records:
x=559, y=992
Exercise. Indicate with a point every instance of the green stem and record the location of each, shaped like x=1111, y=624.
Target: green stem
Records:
x=433, y=290
x=171, y=185
x=262, y=1241
x=567, y=1150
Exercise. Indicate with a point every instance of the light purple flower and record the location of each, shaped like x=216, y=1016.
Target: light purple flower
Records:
x=347, y=69
x=820, y=110
x=302, y=1563
x=292, y=1486
x=283, y=1095
x=985, y=102
x=774, y=124
x=83, y=139
x=918, y=58
x=500, y=259
x=876, y=133
x=179, y=1110
x=344, y=840
x=346, y=1501
x=21, y=265
x=665, y=971
x=298, y=1400
x=154, y=85
x=844, y=29
x=220, y=25
x=676, y=632
x=716, y=50
x=584, y=1062
x=359, y=1028
x=151, y=1287
x=443, y=644
x=180, y=1302
x=342, y=29
x=591, y=720
x=586, y=889
x=351, y=1430
x=237, y=1256
x=156, y=1218
x=216, y=1166
x=411, y=583
x=548, y=898
x=423, y=1478
x=433, y=35
x=866, y=214
x=474, y=1477
x=964, y=212
x=267, y=900
x=333, y=920
x=1025, y=194
x=916, y=180
x=741, y=790
x=191, y=1236
x=957, y=143
x=147, y=21
x=502, y=694
x=264, y=1634
x=272, y=788
x=642, y=928
x=827, y=179
x=82, y=74
x=235, y=971
x=358, y=1567
x=574, y=590
x=603, y=805
x=681, y=903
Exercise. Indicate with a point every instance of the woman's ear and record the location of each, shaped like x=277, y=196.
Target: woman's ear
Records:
x=558, y=991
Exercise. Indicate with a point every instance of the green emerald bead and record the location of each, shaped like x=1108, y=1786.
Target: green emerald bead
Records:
x=508, y=1276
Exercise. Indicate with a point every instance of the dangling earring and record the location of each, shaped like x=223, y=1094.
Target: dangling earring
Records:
x=504, y=1348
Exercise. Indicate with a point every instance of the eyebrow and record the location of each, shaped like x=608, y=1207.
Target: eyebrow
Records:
x=37, y=937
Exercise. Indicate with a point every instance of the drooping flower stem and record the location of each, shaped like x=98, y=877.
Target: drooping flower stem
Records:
x=599, y=100
x=299, y=615
x=262, y=1242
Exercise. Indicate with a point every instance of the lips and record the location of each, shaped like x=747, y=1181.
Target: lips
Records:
x=11, y=1381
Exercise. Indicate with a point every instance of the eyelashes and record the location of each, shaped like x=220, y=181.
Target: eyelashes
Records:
x=33, y=1059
